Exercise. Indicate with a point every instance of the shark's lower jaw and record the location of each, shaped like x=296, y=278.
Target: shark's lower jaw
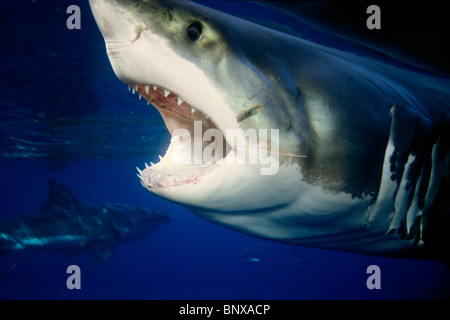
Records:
x=180, y=166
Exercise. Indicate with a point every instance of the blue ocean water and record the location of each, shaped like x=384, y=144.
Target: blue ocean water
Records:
x=65, y=115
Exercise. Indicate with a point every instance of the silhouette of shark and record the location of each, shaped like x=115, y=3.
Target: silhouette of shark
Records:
x=65, y=224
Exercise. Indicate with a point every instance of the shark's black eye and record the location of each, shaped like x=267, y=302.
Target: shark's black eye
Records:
x=194, y=31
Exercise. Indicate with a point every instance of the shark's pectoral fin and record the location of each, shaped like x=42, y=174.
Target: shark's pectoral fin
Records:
x=102, y=250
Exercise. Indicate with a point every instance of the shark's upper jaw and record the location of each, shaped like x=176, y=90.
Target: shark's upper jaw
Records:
x=175, y=112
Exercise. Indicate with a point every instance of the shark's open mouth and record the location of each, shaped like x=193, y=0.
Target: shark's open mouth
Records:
x=180, y=165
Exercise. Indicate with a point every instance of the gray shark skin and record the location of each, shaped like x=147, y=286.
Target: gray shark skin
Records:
x=67, y=225
x=363, y=148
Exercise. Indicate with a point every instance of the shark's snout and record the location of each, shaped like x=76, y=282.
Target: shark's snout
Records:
x=115, y=20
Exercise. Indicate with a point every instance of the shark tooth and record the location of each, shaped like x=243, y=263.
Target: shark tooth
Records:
x=192, y=110
x=160, y=158
x=146, y=166
x=140, y=96
x=175, y=138
x=139, y=170
x=146, y=87
x=133, y=90
x=160, y=184
x=166, y=93
x=180, y=101
x=155, y=87
x=129, y=88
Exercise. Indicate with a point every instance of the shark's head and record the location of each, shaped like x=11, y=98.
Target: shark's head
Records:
x=246, y=127
x=188, y=62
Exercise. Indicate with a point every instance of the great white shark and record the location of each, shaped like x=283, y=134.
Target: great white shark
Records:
x=362, y=146
x=66, y=225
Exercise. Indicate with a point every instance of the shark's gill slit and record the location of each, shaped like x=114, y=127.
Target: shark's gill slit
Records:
x=181, y=164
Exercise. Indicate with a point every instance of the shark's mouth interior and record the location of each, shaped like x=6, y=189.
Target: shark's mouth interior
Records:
x=180, y=165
